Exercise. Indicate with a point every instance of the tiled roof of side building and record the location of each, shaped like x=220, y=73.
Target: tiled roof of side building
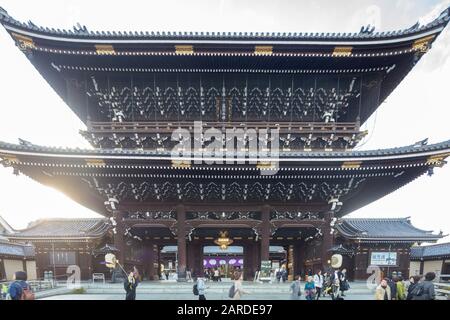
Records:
x=437, y=251
x=383, y=229
x=64, y=228
x=82, y=32
x=16, y=250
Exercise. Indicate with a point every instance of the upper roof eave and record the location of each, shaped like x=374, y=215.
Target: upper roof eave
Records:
x=226, y=37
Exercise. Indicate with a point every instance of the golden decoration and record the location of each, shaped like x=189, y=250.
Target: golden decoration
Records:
x=181, y=163
x=23, y=42
x=342, y=51
x=423, y=44
x=351, y=164
x=104, y=49
x=184, y=49
x=264, y=50
x=95, y=162
x=223, y=241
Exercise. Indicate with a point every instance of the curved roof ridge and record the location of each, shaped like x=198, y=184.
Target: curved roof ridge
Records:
x=82, y=31
x=409, y=149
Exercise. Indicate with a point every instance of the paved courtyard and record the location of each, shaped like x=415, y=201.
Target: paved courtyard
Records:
x=183, y=291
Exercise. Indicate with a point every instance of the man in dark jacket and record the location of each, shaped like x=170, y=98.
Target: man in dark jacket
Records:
x=393, y=287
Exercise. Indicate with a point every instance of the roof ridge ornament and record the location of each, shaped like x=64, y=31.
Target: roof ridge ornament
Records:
x=78, y=28
x=367, y=29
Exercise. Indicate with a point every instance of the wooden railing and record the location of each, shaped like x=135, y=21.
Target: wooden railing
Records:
x=168, y=127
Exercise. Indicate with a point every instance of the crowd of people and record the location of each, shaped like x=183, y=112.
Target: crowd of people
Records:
x=417, y=288
x=317, y=285
x=213, y=274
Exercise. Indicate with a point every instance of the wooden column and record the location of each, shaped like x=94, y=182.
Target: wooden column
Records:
x=251, y=259
x=119, y=241
x=327, y=241
x=265, y=232
x=299, y=257
x=149, y=259
x=181, y=242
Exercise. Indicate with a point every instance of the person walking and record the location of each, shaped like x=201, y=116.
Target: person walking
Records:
x=335, y=285
x=19, y=289
x=201, y=287
x=130, y=284
x=318, y=283
x=296, y=291
x=216, y=275
x=238, y=289
x=383, y=291
x=425, y=289
x=310, y=291
x=343, y=282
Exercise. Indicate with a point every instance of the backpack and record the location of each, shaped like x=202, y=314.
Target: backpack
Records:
x=417, y=292
x=195, y=290
x=27, y=294
x=231, y=292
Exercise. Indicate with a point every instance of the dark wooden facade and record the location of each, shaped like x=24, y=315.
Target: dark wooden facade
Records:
x=133, y=90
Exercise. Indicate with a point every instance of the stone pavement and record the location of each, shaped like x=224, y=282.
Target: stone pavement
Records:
x=183, y=291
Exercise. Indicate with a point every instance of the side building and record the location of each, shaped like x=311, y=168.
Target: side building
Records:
x=433, y=258
x=363, y=243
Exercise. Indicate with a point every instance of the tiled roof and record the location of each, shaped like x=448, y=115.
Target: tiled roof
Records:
x=397, y=229
x=410, y=149
x=441, y=250
x=16, y=249
x=64, y=228
x=83, y=32
x=341, y=249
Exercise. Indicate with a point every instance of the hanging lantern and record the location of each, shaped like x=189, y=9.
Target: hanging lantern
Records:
x=223, y=241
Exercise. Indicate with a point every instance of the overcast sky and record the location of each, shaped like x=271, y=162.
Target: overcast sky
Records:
x=417, y=109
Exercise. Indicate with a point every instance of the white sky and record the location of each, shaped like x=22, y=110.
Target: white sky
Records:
x=417, y=109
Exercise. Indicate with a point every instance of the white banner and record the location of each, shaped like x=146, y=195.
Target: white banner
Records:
x=383, y=259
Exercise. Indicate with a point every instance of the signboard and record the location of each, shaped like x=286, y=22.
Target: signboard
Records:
x=383, y=258
x=266, y=266
x=275, y=265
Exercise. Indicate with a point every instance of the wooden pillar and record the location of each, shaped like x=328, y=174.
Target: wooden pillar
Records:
x=327, y=242
x=119, y=241
x=149, y=260
x=299, y=257
x=361, y=263
x=181, y=243
x=251, y=259
x=265, y=233
x=195, y=258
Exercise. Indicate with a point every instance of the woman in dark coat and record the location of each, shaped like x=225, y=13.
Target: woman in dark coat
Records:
x=130, y=284
x=413, y=282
